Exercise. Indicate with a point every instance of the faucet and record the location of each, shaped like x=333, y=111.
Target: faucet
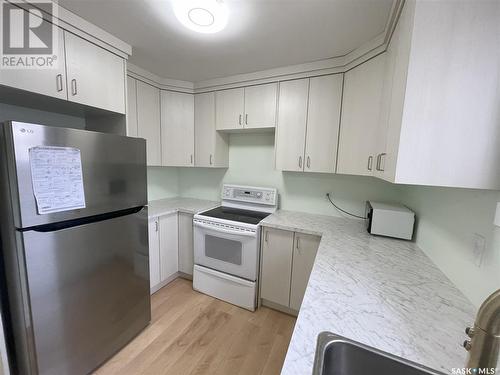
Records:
x=484, y=343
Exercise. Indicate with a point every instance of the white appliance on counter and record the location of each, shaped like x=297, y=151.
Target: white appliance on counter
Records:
x=390, y=220
x=227, y=244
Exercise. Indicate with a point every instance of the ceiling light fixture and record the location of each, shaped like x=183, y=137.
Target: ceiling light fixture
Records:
x=203, y=16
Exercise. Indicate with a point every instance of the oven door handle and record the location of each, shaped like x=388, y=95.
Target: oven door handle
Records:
x=224, y=230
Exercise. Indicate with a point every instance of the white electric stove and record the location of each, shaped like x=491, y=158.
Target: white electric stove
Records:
x=227, y=244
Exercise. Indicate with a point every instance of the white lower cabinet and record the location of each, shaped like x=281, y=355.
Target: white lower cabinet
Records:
x=287, y=260
x=170, y=248
x=305, y=247
x=169, y=245
x=276, y=266
x=154, y=253
x=186, y=250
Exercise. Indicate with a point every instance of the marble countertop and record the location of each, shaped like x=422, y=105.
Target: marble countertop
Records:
x=382, y=292
x=179, y=204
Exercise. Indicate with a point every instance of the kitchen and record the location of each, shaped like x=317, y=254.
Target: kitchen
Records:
x=289, y=168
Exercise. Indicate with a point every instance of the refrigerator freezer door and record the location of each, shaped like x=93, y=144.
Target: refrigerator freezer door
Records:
x=88, y=290
x=114, y=171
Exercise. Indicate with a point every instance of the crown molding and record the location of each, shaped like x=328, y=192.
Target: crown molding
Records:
x=333, y=65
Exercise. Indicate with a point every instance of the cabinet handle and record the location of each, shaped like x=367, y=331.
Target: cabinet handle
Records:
x=298, y=243
x=308, y=162
x=266, y=236
x=191, y=158
x=370, y=163
x=300, y=161
x=377, y=166
x=239, y=120
x=382, y=155
x=210, y=159
x=246, y=119
x=59, y=84
x=156, y=226
x=74, y=90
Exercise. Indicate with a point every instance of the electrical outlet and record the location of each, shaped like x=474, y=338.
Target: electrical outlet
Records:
x=479, y=246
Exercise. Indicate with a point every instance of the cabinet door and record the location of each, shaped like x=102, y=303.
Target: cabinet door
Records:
x=169, y=246
x=260, y=106
x=51, y=82
x=359, y=126
x=276, y=266
x=211, y=147
x=96, y=77
x=323, y=123
x=291, y=132
x=148, y=121
x=154, y=252
x=177, y=129
x=186, y=257
x=229, y=108
x=131, y=107
x=305, y=247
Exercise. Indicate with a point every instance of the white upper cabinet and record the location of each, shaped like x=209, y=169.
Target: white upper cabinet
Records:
x=359, y=128
x=131, y=107
x=292, y=119
x=444, y=73
x=177, y=129
x=51, y=82
x=148, y=121
x=211, y=147
x=230, y=107
x=95, y=76
x=308, y=124
x=252, y=107
x=323, y=121
x=260, y=106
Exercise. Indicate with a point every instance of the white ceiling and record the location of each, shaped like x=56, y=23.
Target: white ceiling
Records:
x=261, y=34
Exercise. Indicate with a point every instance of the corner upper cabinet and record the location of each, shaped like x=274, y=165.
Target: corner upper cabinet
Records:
x=177, y=129
x=308, y=124
x=230, y=108
x=95, y=77
x=442, y=117
x=252, y=107
x=359, y=128
x=50, y=82
x=211, y=148
x=148, y=121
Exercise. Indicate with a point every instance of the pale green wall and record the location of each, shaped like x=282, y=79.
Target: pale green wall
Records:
x=251, y=162
x=447, y=218
x=447, y=221
x=162, y=183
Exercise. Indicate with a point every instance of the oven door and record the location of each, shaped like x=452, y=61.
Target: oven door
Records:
x=227, y=249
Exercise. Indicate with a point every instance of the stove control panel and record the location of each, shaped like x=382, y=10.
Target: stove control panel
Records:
x=267, y=196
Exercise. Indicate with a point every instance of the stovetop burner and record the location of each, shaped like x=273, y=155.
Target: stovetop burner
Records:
x=236, y=214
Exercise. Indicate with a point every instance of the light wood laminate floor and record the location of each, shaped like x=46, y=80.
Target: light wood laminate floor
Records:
x=192, y=333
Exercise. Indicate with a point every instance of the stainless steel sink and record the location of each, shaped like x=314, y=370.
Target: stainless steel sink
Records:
x=336, y=355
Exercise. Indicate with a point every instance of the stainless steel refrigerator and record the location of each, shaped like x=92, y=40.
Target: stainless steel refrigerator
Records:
x=74, y=242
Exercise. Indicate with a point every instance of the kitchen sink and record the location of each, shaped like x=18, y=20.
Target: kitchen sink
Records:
x=336, y=355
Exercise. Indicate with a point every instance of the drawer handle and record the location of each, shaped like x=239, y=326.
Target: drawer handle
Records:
x=239, y=120
x=210, y=159
x=74, y=89
x=59, y=84
x=300, y=161
x=370, y=163
x=382, y=155
x=308, y=162
x=246, y=119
